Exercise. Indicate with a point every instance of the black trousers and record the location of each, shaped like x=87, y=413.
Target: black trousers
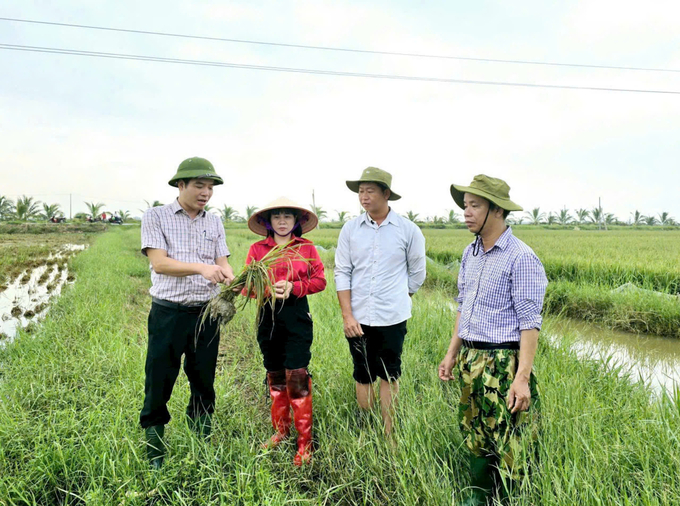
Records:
x=174, y=332
x=285, y=334
x=377, y=354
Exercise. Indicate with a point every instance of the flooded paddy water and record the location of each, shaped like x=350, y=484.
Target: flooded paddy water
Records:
x=25, y=298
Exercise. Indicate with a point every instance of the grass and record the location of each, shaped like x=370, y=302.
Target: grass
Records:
x=72, y=391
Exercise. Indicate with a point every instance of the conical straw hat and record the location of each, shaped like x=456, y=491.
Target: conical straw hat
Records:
x=258, y=221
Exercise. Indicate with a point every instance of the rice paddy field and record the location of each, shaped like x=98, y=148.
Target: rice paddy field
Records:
x=71, y=391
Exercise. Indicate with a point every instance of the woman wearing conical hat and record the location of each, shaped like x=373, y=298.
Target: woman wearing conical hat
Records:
x=285, y=332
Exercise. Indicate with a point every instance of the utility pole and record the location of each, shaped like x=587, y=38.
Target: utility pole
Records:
x=70, y=206
x=314, y=204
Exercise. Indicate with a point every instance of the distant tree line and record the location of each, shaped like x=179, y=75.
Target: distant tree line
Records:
x=28, y=209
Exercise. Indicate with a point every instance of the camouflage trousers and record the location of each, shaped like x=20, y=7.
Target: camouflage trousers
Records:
x=488, y=427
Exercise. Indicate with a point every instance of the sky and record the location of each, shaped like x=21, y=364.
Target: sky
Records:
x=76, y=129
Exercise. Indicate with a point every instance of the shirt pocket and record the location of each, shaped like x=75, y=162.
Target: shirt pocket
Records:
x=207, y=245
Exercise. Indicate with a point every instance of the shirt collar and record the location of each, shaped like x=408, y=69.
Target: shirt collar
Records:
x=390, y=218
x=176, y=208
x=269, y=241
x=503, y=240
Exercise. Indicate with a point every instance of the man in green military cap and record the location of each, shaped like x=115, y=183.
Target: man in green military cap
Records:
x=501, y=285
x=379, y=264
x=189, y=258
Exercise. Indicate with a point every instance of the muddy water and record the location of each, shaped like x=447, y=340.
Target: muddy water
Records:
x=26, y=299
x=649, y=358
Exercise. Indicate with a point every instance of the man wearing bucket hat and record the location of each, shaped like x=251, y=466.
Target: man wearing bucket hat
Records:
x=501, y=284
x=188, y=254
x=285, y=332
x=379, y=264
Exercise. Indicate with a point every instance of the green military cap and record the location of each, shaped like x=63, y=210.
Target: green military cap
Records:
x=491, y=188
x=195, y=168
x=374, y=175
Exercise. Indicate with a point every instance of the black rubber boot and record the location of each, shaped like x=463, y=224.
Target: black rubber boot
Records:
x=155, y=446
x=201, y=425
x=482, y=471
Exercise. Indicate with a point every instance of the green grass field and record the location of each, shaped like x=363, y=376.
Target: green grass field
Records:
x=71, y=392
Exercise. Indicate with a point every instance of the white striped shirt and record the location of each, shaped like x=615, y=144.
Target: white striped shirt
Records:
x=198, y=240
x=381, y=265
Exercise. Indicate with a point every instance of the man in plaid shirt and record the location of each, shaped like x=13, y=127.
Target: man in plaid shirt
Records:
x=188, y=254
x=501, y=286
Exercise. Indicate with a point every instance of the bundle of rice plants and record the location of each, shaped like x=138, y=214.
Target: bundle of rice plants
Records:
x=256, y=279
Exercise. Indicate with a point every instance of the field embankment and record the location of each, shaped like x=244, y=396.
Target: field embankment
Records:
x=71, y=393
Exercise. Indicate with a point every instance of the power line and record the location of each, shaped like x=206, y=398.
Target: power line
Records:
x=121, y=56
x=340, y=49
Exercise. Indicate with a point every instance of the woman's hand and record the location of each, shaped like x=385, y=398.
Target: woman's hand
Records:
x=283, y=289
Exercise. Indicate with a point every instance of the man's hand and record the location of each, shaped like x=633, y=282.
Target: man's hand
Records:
x=519, y=395
x=352, y=327
x=228, y=273
x=214, y=273
x=282, y=289
x=446, y=366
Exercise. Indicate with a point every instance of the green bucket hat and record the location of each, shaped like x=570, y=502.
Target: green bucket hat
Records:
x=195, y=168
x=491, y=188
x=374, y=175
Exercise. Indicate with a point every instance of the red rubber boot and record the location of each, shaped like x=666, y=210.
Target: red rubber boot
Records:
x=300, y=393
x=280, y=407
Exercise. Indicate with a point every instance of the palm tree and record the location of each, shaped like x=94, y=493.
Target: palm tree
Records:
x=552, y=218
x=536, y=216
x=453, y=217
x=6, y=208
x=610, y=219
x=665, y=219
x=27, y=208
x=228, y=213
x=438, y=220
x=155, y=203
x=649, y=220
x=124, y=215
x=342, y=216
x=94, y=209
x=637, y=218
x=50, y=211
x=597, y=216
x=412, y=216
x=250, y=210
x=582, y=215
x=564, y=217
x=320, y=213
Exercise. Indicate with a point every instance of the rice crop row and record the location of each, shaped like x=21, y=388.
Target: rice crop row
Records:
x=71, y=393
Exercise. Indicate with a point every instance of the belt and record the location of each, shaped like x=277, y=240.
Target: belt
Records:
x=481, y=345
x=195, y=308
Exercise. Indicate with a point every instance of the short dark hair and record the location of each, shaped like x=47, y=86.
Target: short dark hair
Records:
x=493, y=207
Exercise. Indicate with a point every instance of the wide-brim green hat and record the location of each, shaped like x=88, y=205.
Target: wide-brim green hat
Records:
x=374, y=175
x=195, y=168
x=259, y=220
x=491, y=188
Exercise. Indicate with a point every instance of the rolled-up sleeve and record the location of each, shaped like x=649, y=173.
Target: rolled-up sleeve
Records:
x=528, y=290
x=415, y=260
x=222, y=248
x=461, y=281
x=343, y=261
x=152, y=233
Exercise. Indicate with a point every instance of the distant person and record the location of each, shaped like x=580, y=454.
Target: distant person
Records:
x=501, y=285
x=188, y=253
x=379, y=265
x=285, y=332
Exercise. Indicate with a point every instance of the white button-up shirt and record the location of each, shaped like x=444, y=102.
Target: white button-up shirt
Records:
x=381, y=265
x=198, y=240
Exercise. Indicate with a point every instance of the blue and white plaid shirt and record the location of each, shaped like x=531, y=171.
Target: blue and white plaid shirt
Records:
x=198, y=240
x=501, y=291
